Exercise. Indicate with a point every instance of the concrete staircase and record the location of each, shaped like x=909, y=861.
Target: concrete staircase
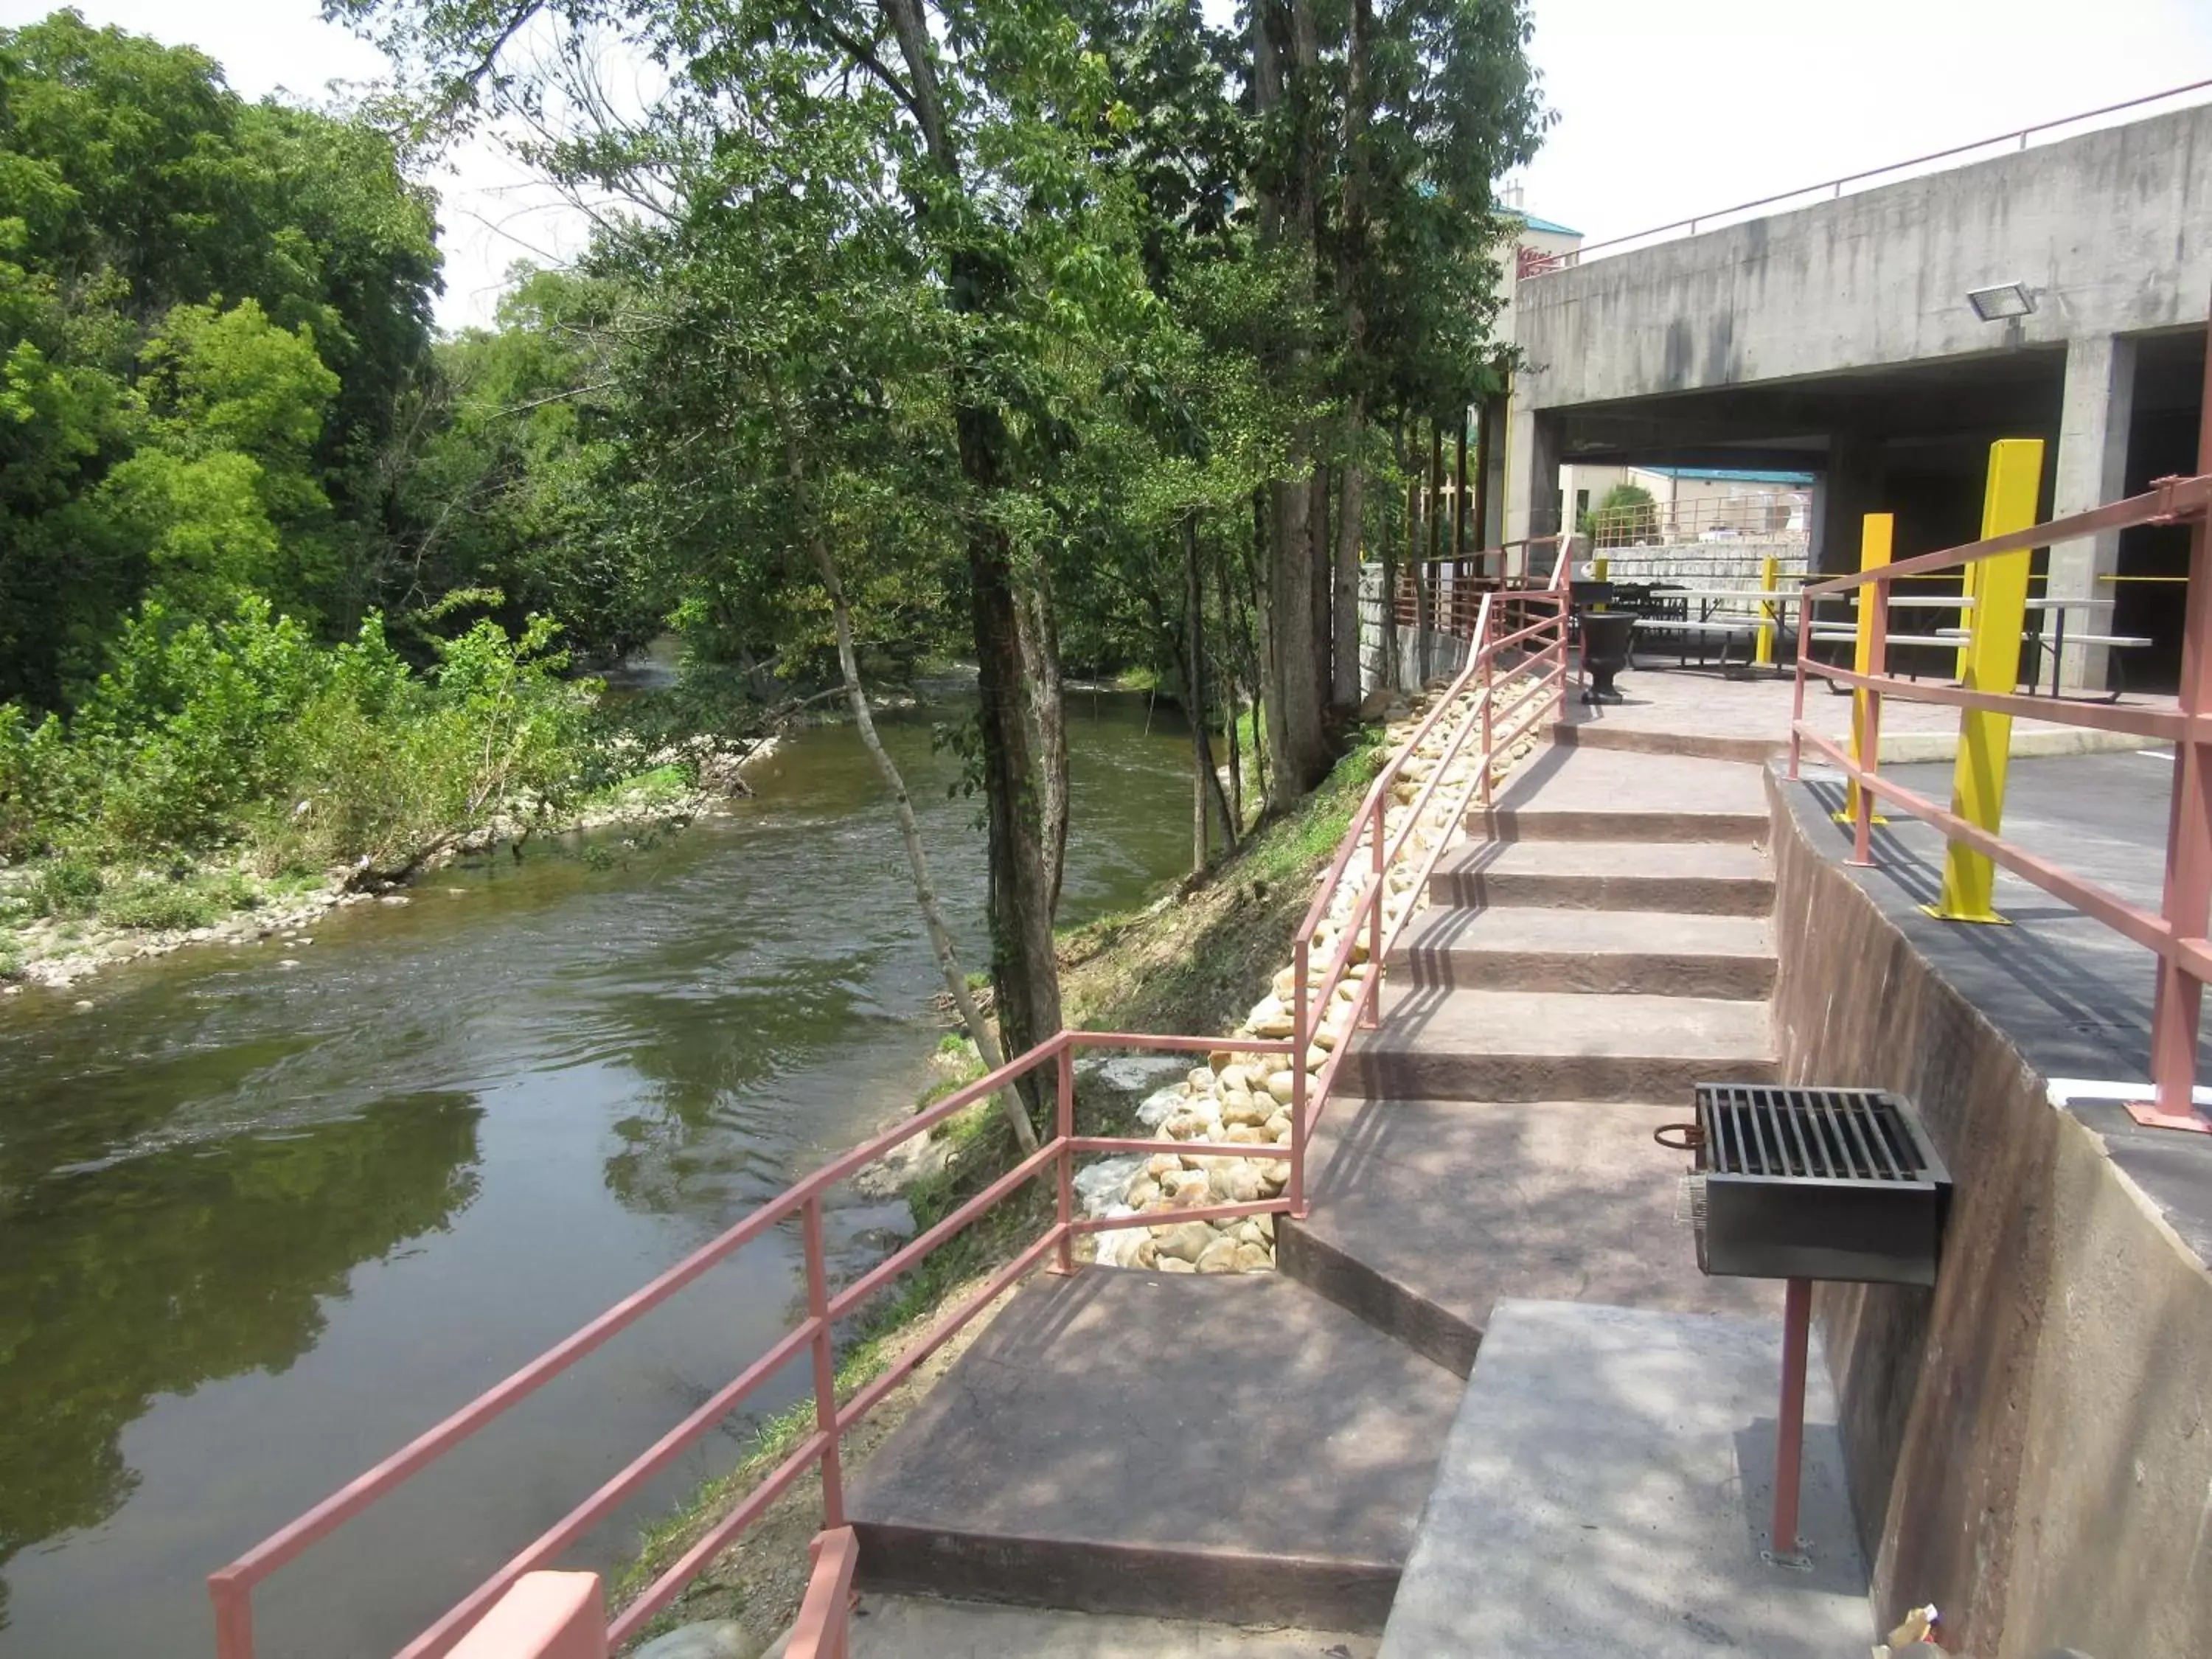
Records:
x=1605, y=949
x=1261, y=1449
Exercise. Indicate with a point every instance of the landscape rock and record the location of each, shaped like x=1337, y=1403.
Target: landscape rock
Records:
x=721, y=1638
x=1186, y=1241
x=1218, y=1257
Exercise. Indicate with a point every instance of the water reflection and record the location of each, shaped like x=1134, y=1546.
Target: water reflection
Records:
x=194, y=1261
x=259, y=1225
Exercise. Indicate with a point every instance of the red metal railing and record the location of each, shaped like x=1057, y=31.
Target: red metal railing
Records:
x=821, y=1630
x=232, y=1588
x=2176, y=933
x=1541, y=644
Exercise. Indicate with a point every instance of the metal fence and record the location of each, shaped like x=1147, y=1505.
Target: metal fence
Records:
x=2175, y=933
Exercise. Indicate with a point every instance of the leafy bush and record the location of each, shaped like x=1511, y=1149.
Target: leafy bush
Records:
x=36, y=780
x=176, y=900
x=205, y=734
x=192, y=723
x=67, y=887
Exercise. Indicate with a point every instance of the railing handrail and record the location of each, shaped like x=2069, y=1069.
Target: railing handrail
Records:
x=2167, y=500
x=1572, y=257
x=2177, y=934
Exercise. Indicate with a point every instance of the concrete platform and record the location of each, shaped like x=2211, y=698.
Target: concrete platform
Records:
x=1653, y=952
x=1605, y=1492
x=1436, y=1043
x=1569, y=793
x=1569, y=1200
x=917, y=1627
x=1233, y=1447
x=1712, y=879
x=1702, y=712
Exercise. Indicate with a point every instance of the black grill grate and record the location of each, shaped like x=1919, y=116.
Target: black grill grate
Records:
x=1808, y=1134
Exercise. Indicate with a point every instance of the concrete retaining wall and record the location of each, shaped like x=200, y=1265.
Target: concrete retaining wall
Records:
x=1447, y=651
x=2028, y=1444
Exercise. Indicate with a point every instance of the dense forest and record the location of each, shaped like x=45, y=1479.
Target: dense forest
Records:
x=1055, y=338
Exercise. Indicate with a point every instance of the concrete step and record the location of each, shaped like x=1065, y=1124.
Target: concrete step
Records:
x=1587, y=729
x=923, y=1627
x=1607, y=1491
x=1230, y=1448
x=1439, y=1043
x=1425, y=1213
x=1704, y=879
x=1652, y=952
x=1573, y=792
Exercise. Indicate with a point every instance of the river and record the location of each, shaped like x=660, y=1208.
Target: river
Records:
x=259, y=1224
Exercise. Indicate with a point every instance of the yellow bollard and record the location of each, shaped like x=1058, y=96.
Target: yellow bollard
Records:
x=1876, y=533
x=1770, y=569
x=1992, y=659
x=1967, y=580
x=1599, y=566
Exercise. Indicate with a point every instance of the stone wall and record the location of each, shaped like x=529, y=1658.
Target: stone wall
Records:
x=1447, y=651
x=2027, y=1443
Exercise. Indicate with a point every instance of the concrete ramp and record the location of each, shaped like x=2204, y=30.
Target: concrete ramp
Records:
x=1605, y=1490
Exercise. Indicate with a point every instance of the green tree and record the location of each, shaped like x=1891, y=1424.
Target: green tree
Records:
x=239, y=292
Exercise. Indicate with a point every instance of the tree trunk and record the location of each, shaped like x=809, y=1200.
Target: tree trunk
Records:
x=1231, y=716
x=1194, y=687
x=1352, y=253
x=1047, y=715
x=1286, y=219
x=1320, y=556
x=1349, y=513
x=1255, y=644
x=925, y=890
x=1024, y=971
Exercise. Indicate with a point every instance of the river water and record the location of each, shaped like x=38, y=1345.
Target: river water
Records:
x=260, y=1224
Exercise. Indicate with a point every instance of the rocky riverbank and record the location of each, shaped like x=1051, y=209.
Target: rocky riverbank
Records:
x=1242, y=1099
x=60, y=951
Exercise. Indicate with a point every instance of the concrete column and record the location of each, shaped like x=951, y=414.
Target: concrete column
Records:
x=1490, y=491
x=2092, y=469
x=1532, y=459
x=1850, y=488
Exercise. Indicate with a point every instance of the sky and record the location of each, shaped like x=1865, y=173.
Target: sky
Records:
x=1666, y=107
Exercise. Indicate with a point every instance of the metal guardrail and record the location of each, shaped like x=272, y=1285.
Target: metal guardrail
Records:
x=1832, y=189
x=821, y=1633
x=2176, y=933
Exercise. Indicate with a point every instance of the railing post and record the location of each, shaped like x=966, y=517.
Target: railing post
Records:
x=1977, y=786
x=234, y=1616
x=1374, y=1015
x=1876, y=536
x=1301, y=955
x=1797, y=696
x=825, y=1359
x=1489, y=736
x=1866, y=725
x=2179, y=1000
x=1065, y=1119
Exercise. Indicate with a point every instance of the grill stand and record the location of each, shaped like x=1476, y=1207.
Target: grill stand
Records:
x=1785, y=1548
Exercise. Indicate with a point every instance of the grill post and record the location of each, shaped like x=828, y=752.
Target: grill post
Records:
x=1784, y=1547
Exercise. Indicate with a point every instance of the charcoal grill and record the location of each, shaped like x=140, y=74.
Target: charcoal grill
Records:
x=1805, y=1183
x=1816, y=1184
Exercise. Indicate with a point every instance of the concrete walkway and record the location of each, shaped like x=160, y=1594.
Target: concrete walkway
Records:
x=1263, y=1448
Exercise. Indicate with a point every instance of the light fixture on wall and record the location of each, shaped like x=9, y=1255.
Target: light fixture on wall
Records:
x=2001, y=303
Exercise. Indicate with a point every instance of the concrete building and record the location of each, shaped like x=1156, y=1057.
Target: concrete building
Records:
x=1840, y=340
